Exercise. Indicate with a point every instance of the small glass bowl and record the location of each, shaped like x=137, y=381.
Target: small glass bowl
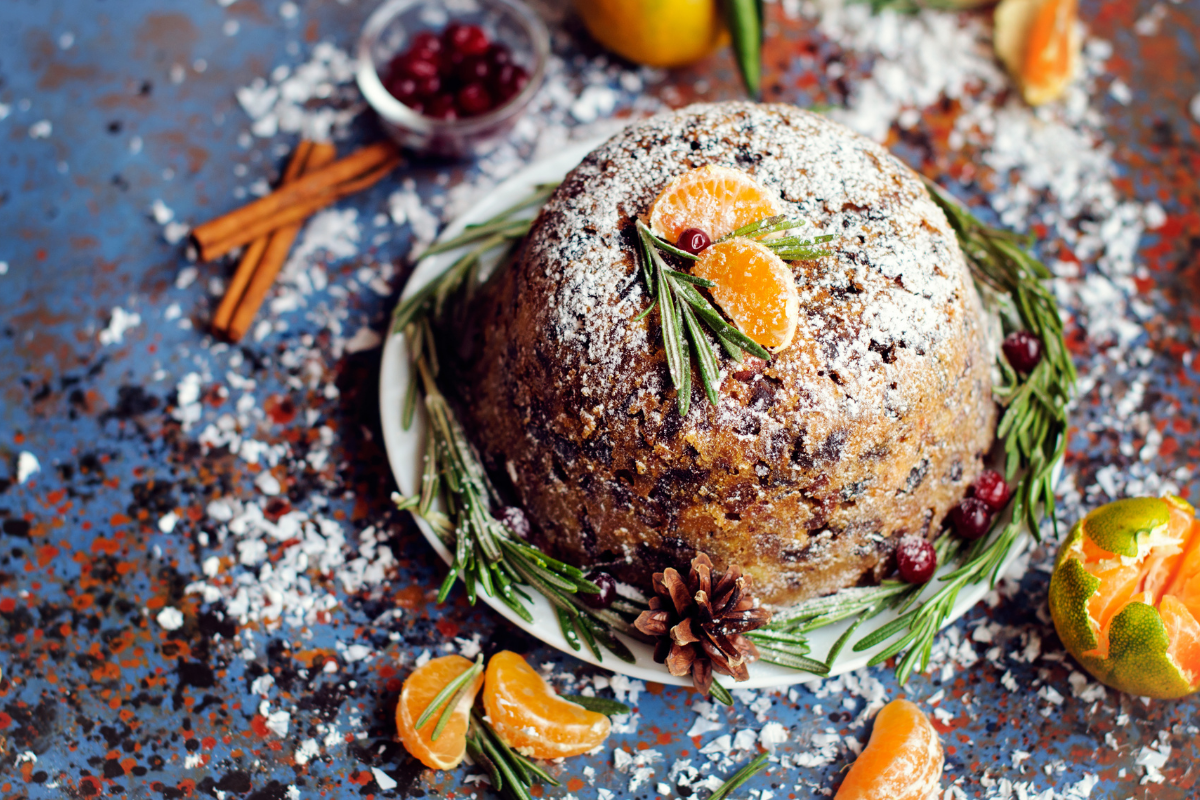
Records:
x=390, y=30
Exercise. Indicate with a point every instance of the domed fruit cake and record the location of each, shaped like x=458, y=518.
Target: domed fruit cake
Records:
x=867, y=419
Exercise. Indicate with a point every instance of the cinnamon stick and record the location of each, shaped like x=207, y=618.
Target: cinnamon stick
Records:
x=297, y=200
x=254, y=251
x=274, y=256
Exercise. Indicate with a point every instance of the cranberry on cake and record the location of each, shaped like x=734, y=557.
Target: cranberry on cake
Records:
x=867, y=422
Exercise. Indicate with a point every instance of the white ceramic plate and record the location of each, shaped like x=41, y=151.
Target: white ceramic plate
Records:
x=405, y=449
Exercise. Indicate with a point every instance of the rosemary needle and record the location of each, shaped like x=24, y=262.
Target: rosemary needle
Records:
x=741, y=776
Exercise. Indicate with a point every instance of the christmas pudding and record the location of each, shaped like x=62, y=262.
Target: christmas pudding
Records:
x=860, y=411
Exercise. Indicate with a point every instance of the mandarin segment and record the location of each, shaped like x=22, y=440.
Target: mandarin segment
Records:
x=717, y=200
x=420, y=688
x=1039, y=43
x=531, y=718
x=902, y=760
x=1122, y=596
x=1051, y=52
x=1183, y=631
x=754, y=288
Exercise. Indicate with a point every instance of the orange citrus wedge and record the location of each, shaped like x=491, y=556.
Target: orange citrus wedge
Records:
x=717, y=200
x=1039, y=43
x=902, y=760
x=1125, y=596
x=755, y=288
x=420, y=688
x=527, y=714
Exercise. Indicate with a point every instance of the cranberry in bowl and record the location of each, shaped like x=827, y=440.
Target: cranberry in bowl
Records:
x=451, y=82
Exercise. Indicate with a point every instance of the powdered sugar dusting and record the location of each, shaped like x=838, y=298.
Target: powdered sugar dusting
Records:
x=888, y=260
x=890, y=328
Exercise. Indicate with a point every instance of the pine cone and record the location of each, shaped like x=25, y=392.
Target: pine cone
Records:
x=699, y=622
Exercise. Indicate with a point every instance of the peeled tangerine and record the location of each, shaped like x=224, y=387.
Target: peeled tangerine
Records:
x=527, y=714
x=1125, y=596
x=1039, y=43
x=755, y=288
x=717, y=200
x=419, y=690
x=902, y=760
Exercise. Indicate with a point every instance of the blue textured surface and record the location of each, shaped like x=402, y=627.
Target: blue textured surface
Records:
x=99, y=699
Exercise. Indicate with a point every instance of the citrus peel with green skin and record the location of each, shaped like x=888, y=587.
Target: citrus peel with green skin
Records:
x=1125, y=596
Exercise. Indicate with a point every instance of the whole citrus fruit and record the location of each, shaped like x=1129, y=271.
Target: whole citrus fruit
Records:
x=658, y=33
x=1125, y=596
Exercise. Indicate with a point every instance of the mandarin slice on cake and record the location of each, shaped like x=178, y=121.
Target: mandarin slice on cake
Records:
x=902, y=760
x=531, y=718
x=1125, y=596
x=754, y=288
x=420, y=688
x=716, y=200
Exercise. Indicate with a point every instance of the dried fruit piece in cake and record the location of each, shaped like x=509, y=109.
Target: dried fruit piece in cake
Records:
x=902, y=760
x=1125, y=596
x=531, y=718
x=755, y=288
x=420, y=689
x=716, y=200
x=1039, y=42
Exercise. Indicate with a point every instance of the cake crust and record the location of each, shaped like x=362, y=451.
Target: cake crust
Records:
x=871, y=425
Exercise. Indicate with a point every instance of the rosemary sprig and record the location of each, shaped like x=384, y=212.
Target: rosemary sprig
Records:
x=741, y=776
x=486, y=554
x=447, y=699
x=510, y=773
x=1033, y=431
x=1034, y=423
x=486, y=236
x=684, y=314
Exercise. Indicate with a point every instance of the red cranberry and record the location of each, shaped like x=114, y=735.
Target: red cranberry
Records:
x=473, y=100
x=972, y=518
x=515, y=520
x=442, y=107
x=499, y=55
x=428, y=87
x=916, y=559
x=414, y=66
x=467, y=40
x=608, y=591
x=693, y=241
x=427, y=43
x=403, y=89
x=474, y=69
x=510, y=80
x=1023, y=350
x=991, y=489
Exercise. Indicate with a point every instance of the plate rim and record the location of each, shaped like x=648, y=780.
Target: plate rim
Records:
x=407, y=446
